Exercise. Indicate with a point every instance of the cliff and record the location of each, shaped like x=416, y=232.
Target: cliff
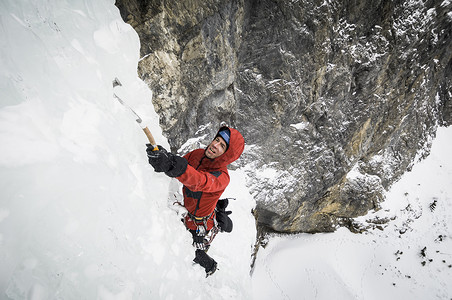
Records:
x=335, y=99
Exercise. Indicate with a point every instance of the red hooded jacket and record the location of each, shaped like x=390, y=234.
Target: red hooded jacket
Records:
x=206, y=179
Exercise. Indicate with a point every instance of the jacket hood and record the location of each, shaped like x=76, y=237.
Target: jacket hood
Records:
x=235, y=149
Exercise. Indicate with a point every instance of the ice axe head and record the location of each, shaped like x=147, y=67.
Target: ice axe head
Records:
x=116, y=82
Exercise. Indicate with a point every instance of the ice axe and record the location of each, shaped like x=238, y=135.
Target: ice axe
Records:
x=146, y=130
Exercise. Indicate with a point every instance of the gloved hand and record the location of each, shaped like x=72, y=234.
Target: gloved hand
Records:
x=222, y=216
x=222, y=204
x=158, y=159
x=223, y=220
x=164, y=161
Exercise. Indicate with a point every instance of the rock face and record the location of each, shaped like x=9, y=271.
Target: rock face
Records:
x=335, y=99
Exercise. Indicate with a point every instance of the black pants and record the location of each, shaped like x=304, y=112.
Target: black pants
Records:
x=201, y=257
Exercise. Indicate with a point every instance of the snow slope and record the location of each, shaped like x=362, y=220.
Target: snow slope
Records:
x=408, y=258
x=83, y=216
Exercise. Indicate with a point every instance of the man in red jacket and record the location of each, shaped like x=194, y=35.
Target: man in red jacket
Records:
x=204, y=174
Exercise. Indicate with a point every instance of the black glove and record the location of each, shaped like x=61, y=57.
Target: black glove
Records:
x=222, y=204
x=164, y=161
x=223, y=220
x=158, y=159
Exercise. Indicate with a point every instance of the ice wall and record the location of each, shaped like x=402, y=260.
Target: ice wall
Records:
x=82, y=214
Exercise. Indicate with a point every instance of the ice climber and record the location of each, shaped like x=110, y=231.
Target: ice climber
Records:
x=204, y=175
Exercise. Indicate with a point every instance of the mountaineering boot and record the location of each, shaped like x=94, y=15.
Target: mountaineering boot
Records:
x=212, y=270
x=205, y=261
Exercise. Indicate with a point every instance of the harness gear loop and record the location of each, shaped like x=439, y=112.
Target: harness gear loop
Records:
x=201, y=230
x=201, y=223
x=198, y=220
x=213, y=231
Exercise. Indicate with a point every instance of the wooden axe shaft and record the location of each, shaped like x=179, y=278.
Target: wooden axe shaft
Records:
x=146, y=130
x=150, y=138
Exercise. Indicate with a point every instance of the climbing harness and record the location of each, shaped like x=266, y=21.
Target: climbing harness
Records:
x=201, y=226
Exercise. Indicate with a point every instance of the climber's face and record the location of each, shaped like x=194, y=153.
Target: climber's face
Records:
x=216, y=148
